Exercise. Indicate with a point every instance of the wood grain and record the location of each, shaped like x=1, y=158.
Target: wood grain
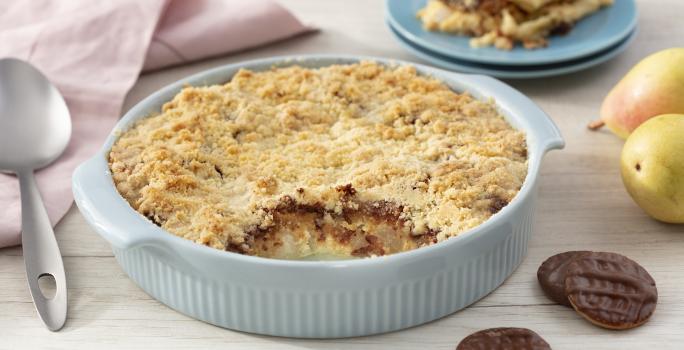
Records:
x=582, y=205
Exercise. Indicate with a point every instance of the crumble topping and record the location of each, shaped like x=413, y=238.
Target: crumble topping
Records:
x=503, y=23
x=346, y=160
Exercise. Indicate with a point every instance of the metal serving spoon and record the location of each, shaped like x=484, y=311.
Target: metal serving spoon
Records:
x=35, y=127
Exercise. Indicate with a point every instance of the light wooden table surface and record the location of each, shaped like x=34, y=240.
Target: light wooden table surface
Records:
x=582, y=205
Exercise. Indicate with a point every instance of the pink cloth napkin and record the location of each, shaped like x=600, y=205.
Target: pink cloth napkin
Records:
x=93, y=52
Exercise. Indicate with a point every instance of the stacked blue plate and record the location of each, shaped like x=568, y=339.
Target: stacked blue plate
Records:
x=593, y=40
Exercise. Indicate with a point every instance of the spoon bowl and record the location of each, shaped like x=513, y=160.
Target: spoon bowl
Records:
x=35, y=127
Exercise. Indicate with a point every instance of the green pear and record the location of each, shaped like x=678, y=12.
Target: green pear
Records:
x=652, y=167
x=653, y=87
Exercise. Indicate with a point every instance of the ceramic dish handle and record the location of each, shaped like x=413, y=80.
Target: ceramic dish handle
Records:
x=543, y=129
x=103, y=205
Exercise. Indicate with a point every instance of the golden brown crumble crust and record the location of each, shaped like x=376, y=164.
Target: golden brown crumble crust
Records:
x=349, y=160
x=503, y=23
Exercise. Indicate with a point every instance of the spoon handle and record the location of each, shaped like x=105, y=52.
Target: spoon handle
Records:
x=41, y=253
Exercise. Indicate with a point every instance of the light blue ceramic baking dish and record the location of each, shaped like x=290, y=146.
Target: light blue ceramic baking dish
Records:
x=319, y=299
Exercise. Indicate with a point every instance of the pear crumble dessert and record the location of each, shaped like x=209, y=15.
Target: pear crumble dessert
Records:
x=503, y=23
x=343, y=161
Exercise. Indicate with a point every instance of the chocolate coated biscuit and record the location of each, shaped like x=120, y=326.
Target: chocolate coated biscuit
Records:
x=551, y=276
x=610, y=290
x=504, y=339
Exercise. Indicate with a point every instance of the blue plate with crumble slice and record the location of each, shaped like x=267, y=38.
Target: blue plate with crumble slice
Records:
x=590, y=35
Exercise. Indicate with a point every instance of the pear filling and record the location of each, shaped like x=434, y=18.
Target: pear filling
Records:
x=299, y=231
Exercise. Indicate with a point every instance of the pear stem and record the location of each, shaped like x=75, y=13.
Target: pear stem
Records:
x=596, y=124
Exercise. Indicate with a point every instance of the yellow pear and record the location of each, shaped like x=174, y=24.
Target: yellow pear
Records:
x=653, y=87
x=652, y=167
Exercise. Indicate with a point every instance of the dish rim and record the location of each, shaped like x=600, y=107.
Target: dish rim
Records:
x=97, y=167
x=481, y=57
